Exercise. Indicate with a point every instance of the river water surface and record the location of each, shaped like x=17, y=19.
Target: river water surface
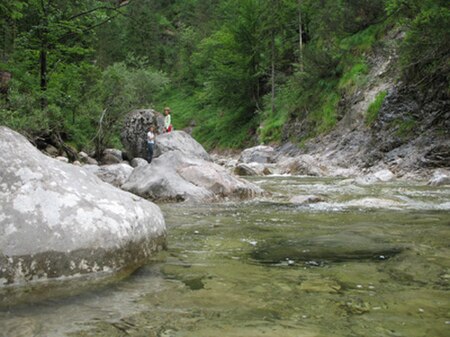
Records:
x=367, y=260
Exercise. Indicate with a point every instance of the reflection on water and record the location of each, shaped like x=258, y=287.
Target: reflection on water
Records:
x=365, y=261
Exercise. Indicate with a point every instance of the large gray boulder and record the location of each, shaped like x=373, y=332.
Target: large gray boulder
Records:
x=114, y=174
x=134, y=131
x=174, y=176
x=58, y=222
x=303, y=165
x=262, y=154
x=181, y=141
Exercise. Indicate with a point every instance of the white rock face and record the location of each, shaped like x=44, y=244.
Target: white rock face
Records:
x=59, y=221
x=175, y=176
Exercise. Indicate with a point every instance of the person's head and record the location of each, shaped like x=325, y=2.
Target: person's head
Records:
x=151, y=128
x=167, y=110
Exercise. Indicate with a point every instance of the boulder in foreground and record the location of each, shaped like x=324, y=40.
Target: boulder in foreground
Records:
x=58, y=222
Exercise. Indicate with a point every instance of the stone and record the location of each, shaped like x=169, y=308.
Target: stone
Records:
x=86, y=159
x=111, y=156
x=302, y=165
x=51, y=150
x=59, y=223
x=244, y=170
x=136, y=162
x=115, y=174
x=62, y=159
x=384, y=175
x=91, y=161
x=260, y=154
x=372, y=178
x=305, y=199
x=83, y=156
x=181, y=141
x=440, y=178
x=176, y=177
x=340, y=247
x=320, y=286
x=134, y=132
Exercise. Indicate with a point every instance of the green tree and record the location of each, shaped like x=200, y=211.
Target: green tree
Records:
x=123, y=88
x=425, y=50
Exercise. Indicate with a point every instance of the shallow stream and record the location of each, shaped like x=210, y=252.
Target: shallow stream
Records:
x=365, y=261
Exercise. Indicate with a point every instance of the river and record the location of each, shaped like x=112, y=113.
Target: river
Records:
x=366, y=260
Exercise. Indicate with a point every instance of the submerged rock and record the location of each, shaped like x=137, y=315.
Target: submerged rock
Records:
x=345, y=246
x=320, y=286
x=58, y=222
x=306, y=199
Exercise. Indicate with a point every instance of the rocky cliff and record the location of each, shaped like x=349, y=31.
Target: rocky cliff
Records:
x=409, y=133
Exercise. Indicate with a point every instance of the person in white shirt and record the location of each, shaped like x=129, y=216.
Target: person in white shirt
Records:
x=150, y=143
x=167, y=120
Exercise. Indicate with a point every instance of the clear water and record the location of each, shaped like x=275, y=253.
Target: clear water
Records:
x=321, y=282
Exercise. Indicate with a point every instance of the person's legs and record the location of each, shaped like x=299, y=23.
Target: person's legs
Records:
x=149, y=152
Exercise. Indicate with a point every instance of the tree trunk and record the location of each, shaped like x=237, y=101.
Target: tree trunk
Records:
x=43, y=38
x=272, y=42
x=43, y=76
x=300, y=36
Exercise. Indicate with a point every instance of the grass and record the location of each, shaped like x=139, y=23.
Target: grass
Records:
x=405, y=127
x=374, y=108
x=355, y=77
x=362, y=41
x=214, y=127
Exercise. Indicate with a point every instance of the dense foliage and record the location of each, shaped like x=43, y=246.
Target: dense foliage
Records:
x=239, y=71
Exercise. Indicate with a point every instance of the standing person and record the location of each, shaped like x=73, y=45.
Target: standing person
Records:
x=150, y=143
x=167, y=120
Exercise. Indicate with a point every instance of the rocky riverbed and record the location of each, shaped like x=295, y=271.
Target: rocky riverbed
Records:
x=365, y=260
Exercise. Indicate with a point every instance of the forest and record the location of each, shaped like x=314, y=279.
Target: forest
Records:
x=235, y=71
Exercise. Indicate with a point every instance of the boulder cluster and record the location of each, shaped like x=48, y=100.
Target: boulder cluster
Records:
x=62, y=221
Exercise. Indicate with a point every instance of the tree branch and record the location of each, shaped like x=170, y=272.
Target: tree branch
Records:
x=115, y=8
